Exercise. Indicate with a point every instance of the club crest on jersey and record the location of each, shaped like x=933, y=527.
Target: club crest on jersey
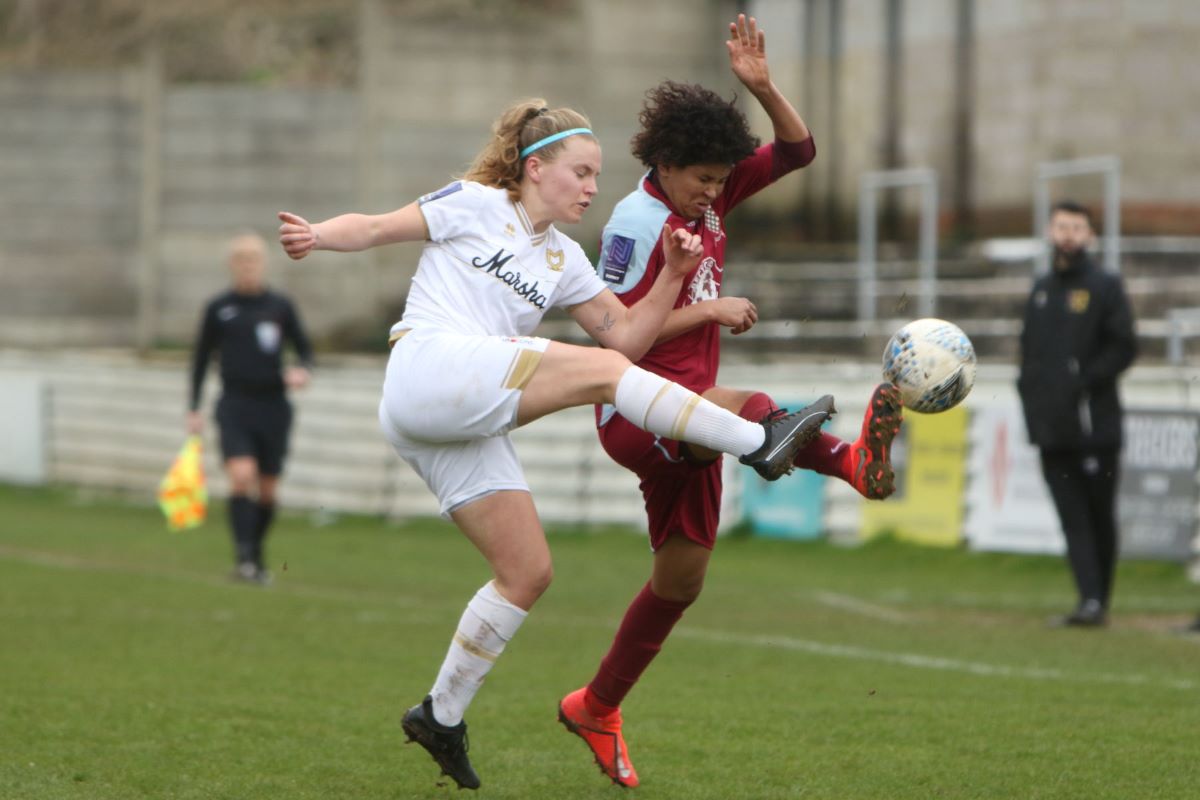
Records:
x=448, y=189
x=554, y=260
x=705, y=285
x=617, y=259
x=509, y=230
x=495, y=266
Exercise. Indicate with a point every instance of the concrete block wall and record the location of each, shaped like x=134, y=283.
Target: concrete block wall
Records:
x=70, y=179
x=1053, y=80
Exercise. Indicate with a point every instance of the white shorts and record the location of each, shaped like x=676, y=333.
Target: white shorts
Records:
x=448, y=401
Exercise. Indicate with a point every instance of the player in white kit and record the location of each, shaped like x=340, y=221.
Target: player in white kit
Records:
x=464, y=370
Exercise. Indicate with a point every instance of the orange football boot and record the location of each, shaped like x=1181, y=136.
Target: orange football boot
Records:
x=603, y=736
x=870, y=455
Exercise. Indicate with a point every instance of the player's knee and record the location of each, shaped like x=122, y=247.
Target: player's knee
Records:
x=524, y=586
x=242, y=481
x=539, y=577
x=267, y=490
x=683, y=590
x=610, y=366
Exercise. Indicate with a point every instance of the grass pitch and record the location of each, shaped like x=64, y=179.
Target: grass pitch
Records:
x=130, y=667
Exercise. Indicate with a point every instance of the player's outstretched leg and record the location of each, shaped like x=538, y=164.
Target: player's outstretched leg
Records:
x=870, y=455
x=447, y=745
x=786, y=435
x=602, y=734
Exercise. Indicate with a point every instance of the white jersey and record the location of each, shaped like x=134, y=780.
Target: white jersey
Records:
x=485, y=271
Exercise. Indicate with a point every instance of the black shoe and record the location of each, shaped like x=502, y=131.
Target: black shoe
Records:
x=1192, y=629
x=787, y=435
x=1089, y=614
x=448, y=746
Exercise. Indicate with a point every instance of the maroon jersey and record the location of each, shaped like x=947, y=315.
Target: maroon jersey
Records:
x=631, y=256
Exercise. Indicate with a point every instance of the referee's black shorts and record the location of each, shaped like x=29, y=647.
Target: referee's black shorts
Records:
x=255, y=425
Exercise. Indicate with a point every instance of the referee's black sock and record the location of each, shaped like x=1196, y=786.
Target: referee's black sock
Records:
x=266, y=515
x=243, y=520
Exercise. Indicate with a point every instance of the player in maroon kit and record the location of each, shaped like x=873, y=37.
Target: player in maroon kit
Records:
x=702, y=162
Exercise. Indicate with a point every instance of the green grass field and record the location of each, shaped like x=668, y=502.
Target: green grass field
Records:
x=130, y=667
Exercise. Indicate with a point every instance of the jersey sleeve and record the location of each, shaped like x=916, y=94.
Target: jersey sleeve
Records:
x=630, y=240
x=452, y=210
x=293, y=329
x=579, y=282
x=768, y=164
x=207, y=340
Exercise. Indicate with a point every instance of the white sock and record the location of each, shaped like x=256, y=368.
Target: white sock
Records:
x=486, y=626
x=657, y=405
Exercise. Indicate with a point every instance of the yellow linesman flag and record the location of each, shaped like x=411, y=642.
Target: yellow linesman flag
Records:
x=182, y=495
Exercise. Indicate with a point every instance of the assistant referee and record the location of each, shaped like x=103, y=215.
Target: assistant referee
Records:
x=248, y=325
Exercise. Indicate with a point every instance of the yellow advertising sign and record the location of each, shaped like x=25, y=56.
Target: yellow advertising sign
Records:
x=929, y=456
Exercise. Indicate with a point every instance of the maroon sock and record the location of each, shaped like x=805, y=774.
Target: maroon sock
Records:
x=827, y=455
x=757, y=407
x=646, y=626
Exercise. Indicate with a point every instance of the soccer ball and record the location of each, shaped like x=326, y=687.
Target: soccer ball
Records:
x=933, y=364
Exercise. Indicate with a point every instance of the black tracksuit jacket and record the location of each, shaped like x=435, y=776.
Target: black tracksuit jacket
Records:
x=1077, y=339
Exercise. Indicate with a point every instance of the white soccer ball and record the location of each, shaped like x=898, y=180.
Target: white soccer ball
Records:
x=933, y=364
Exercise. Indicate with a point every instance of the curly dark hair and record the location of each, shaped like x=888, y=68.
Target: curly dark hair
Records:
x=685, y=124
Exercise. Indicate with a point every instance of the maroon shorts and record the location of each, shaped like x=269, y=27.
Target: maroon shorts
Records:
x=683, y=496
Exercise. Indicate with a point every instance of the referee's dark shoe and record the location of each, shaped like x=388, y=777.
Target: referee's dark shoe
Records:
x=1089, y=614
x=786, y=435
x=448, y=746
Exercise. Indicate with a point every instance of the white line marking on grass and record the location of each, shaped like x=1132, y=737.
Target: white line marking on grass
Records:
x=916, y=660
x=919, y=661
x=43, y=558
x=845, y=602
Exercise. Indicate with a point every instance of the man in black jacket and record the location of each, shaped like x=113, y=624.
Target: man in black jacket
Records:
x=1077, y=339
x=248, y=325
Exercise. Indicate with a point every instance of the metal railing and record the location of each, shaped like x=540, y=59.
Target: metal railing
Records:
x=868, y=188
x=1107, y=166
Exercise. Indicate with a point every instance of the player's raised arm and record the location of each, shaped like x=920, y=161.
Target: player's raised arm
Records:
x=350, y=233
x=747, y=46
x=632, y=330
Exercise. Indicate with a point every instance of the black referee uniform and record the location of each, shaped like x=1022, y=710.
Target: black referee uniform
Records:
x=253, y=413
x=1078, y=337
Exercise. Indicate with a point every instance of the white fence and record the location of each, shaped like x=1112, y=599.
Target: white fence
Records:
x=113, y=422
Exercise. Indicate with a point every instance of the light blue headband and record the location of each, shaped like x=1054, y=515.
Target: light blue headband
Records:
x=540, y=143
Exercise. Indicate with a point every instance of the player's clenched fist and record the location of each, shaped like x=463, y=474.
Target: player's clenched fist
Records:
x=296, y=235
x=681, y=249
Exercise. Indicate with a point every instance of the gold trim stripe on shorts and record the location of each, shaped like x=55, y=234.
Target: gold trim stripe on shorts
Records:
x=681, y=419
x=474, y=649
x=397, y=336
x=521, y=370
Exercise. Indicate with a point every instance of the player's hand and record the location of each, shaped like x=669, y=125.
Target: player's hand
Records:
x=736, y=313
x=195, y=423
x=747, y=47
x=296, y=377
x=681, y=249
x=296, y=235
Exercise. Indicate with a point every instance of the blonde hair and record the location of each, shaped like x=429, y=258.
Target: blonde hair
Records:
x=500, y=164
x=247, y=242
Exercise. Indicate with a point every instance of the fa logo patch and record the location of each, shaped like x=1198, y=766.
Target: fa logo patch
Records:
x=616, y=260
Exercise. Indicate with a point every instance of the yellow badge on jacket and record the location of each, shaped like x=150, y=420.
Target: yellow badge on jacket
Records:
x=1077, y=300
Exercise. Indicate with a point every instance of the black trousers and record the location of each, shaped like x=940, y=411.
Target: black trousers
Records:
x=1083, y=484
